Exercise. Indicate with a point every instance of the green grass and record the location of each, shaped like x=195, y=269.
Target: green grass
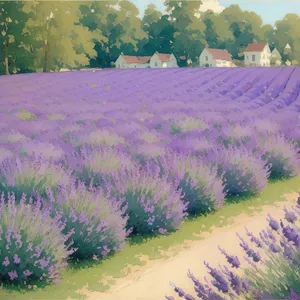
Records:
x=77, y=276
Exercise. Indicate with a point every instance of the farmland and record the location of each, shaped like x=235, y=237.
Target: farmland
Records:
x=123, y=153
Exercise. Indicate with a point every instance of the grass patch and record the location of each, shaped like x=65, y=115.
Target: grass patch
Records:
x=26, y=115
x=77, y=276
x=56, y=117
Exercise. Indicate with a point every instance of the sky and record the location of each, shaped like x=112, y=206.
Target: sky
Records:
x=269, y=10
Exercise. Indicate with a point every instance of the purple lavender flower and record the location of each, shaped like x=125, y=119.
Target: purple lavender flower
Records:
x=232, y=260
x=219, y=281
x=290, y=216
x=273, y=223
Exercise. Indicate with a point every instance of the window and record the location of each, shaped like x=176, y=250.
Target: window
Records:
x=253, y=57
x=206, y=58
x=155, y=64
x=211, y=65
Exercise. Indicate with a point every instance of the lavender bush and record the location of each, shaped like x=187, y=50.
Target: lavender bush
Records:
x=32, y=247
x=152, y=204
x=282, y=155
x=31, y=176
x=94, y=165
x=243, y=173
x=97, y=226
x=200, y=186
x=273, y=259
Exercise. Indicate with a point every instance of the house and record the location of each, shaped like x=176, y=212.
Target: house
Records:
x=276, y=58
x=129, y=61
x=257, y=54
x=160, y=60
x=215, y=58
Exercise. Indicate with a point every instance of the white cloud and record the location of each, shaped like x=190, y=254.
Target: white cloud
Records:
x=213, y=5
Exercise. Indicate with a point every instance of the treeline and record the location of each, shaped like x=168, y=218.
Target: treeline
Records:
x=48, y=36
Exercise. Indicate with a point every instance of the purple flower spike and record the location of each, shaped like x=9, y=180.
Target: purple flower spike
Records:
x=273, y=223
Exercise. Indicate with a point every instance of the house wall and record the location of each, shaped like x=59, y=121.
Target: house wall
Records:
x=206, y=59
x=122, y=64
x=261, y=58
x=172, y=63
x=155, y=62
x=223, y=63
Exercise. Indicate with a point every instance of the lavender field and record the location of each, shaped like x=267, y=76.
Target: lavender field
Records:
x=94, y=158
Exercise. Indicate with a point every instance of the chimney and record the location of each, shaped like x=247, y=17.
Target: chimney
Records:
x=122, y=53
x=254, y=41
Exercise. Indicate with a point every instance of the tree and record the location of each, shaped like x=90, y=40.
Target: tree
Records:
x=188, y=28
x=245, y=27
x=117, y=29
x=217, y=30
x=159, y=30
x=286, y=31
x=13, y=40
x=58, y=39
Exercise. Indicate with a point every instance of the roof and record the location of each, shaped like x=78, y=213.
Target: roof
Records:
x=163, y=57
x=219, y=54
x=275, y=52
x=256, y=47
x=136, y=59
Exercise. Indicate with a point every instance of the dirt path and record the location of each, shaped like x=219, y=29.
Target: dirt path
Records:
x=151, y=282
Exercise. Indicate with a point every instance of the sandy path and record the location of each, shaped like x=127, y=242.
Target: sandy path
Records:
x=151, y=282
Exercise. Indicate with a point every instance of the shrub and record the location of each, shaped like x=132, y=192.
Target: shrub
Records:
x=30, y=176
x=32, y=247
x=101, y=137
x=276, y=249
x=94, y=165
x=152, y=204
x=186, y=124
x=97, y=227
x=44, y=150
x=148, y=152
x=243, y=172
x=282, y=156
x=5, y=153
x=200, y=186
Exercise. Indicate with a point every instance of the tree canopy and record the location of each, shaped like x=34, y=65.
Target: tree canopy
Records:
x=38, y=36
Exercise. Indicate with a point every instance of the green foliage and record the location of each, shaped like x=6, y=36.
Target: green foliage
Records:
x=50, y=36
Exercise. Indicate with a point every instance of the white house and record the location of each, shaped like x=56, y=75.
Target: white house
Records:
x=215, y=58
x=276, y=57
x=159, y=60
x=128, y=61
x=258, y=54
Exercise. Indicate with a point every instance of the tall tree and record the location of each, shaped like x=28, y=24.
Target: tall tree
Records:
x=245, y=26
x=58, y=39
x=159, y=30
x=117, y=29
x=189, y=29
x=286, y=31
x=13, y=39
x=217, y=30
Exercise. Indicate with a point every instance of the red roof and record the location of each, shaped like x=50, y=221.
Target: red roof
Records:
x=136, y=59
x=219, y=54
x=163, y=57
x=256, y=47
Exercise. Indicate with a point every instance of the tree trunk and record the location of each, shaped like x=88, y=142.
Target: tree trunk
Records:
x=6, y=59
x=46, y=63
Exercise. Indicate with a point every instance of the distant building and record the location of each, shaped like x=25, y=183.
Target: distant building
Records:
x=276, y=58
x=160, y=60
x=258, y=54
x=215, y=58
x=129, y=62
